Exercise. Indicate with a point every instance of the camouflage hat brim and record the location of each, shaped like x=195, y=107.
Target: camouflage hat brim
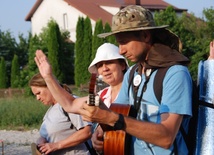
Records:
x=103, y=35
x=137, y=18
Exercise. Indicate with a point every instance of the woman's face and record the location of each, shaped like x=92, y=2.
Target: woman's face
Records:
x=111, y=71
x=43, y=95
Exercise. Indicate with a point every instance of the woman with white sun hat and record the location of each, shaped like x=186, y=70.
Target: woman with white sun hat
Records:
x=111, y=66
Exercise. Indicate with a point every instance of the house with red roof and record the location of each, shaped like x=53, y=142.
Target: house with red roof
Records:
x=67, y=12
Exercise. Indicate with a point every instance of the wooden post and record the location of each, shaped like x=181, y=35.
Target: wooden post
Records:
x=2, y=144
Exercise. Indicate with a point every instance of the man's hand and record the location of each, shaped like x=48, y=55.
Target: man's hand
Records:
x=94, y=113
x=97, y=139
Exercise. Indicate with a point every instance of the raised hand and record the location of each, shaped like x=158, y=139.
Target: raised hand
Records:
x=43, y=64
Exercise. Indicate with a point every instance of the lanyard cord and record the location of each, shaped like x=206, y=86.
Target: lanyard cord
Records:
x=137, y=100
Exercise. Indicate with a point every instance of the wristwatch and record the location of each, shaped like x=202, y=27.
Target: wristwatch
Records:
x=120, y=124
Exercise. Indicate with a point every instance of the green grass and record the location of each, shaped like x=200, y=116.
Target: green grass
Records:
x=21, y=113
x=24, y=113
x=76, y=91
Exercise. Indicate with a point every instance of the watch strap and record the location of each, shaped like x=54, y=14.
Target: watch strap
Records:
x=120, y=124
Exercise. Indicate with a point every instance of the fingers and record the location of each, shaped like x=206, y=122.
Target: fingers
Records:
x=40, y=57
x=40, y=54
x=90, y=115
x=45, y=148
x=97, y=141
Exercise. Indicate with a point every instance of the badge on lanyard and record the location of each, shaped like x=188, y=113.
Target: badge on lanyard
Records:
x=148, y=72
x=137, y=80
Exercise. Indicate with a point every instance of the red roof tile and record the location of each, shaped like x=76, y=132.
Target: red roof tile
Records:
x=92, y=8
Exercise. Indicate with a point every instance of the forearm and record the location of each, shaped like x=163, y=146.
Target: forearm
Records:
x=76, y=138
x=153, y=133
x=162, y=134
x=60, y=95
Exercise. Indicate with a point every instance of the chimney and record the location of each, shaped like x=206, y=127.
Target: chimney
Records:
x=131, y=2
x=137, y=2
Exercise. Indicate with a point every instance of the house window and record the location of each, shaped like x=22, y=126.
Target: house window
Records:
x=65, y=21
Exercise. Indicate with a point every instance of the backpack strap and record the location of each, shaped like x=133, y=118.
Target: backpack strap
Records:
x=66, y=114
x=158, y=90
x=131, y=75
x=158, y=82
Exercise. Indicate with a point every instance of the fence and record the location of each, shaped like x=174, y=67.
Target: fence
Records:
x=10, y=92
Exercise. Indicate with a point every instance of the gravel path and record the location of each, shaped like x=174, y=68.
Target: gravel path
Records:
x=17, y=142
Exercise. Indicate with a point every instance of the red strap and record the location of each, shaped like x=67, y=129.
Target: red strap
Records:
x=103, y=94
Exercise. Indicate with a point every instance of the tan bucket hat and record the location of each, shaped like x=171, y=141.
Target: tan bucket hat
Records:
x=105, y=52
x=135, y=18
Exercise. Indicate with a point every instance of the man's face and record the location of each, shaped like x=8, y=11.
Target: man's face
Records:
x=132, y=45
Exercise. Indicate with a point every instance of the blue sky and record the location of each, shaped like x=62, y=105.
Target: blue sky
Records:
x=193, y=6
x=13, y=12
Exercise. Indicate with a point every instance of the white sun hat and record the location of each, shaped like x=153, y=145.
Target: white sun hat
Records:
x=105, y=52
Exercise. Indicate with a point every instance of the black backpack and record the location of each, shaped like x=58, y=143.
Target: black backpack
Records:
x=190, y=136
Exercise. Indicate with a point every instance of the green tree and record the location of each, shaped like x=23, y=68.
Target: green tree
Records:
x=190, y=31
x=79, y=51
x=166, y=17
x=203, y=31
x=67, y=61
x=3, y=76
x=96, y=40
x=109, y=39
x=87, y=49
x=8, y=46
x=14, y=80
x=209, y=18
x=30, y=69
x=22, y=50
x=54, y=47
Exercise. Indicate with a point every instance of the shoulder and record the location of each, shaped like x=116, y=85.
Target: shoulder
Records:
x=178, y=71
x=177, y=76
x=176, y=68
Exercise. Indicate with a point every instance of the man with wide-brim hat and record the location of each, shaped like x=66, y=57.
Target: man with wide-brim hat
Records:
x=155, y=130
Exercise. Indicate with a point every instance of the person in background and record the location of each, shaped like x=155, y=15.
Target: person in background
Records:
x=211, y=54
x=111, y=66
x=205, y=76
x=205, y=83
x=155, y=130
x=61, y=133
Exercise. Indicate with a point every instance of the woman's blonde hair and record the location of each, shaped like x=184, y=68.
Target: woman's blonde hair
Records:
x=38, y=80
